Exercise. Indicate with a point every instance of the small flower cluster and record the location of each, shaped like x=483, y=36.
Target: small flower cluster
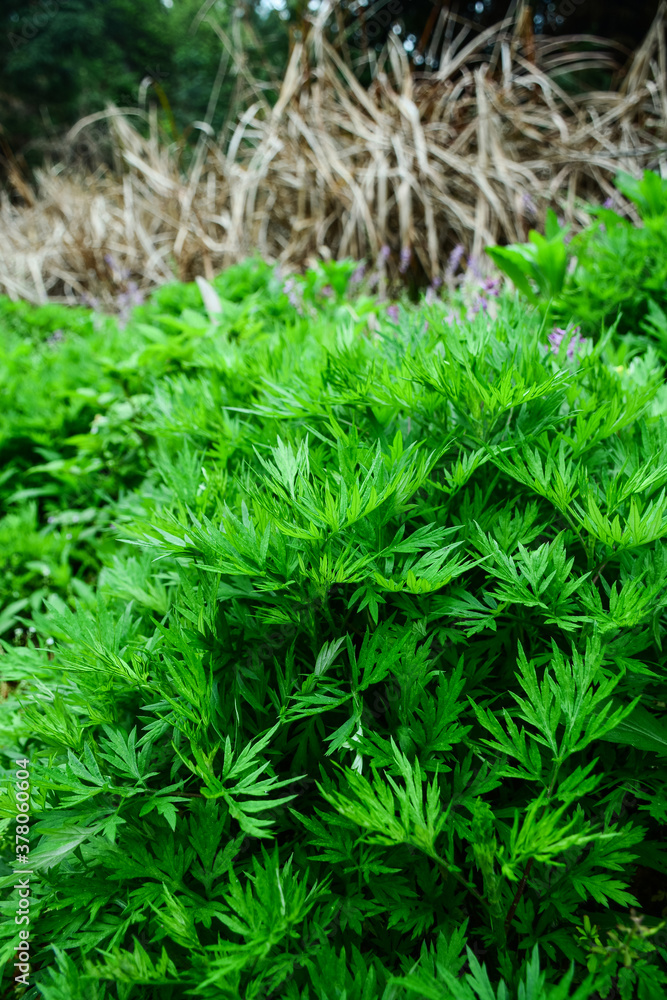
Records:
x=127, y=300
x=480, y=291
x=453, y=262
x=357, y=275
x=490, y=289
x=556, y=336
x=432, y=291
x=130, y=296
x=529, y=206
x=384, y=255
x=89, y=300
x=295, y=295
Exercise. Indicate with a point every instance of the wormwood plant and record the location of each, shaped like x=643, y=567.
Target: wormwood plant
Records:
x=371, y=702
x=72, y=385
x=612, y=272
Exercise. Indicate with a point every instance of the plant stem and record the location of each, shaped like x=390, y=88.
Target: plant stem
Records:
x=526, y=872
x=518, y=894
x=442, y=865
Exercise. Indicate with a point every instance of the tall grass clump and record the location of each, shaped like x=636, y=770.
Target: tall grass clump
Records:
x=470, y=154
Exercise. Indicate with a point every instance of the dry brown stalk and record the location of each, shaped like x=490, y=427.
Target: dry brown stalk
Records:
x=471, y=154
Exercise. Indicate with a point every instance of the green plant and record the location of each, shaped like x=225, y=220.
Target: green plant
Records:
x=612, y=275
x=362, y=694
x=622, y=961
x=542, y=261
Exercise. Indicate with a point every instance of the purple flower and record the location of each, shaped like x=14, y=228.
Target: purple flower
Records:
x=454, y=261
x=406, y=257
x=492, y=287
x=56, y=337
x=327, y=291
x=608, y=203
x=132, y=297
x=473, y=267
x=432, y=290
x=127, y=300
x=529, y=205
x=555, y=338
x=119, y=274
x=357, y=275
x=385, y=252
x=294, y=294
x=392, y=312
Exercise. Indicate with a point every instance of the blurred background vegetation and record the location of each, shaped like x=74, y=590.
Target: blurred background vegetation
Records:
x=63, y=59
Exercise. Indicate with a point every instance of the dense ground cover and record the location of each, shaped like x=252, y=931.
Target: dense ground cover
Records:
x=333, y=635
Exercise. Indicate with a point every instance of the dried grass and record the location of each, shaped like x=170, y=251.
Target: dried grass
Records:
x=471, y=154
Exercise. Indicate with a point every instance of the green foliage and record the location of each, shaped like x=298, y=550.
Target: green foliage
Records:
x=623, y=959
x=349, y=681
x=613, y=272
x=63, y=59
x=543, y=260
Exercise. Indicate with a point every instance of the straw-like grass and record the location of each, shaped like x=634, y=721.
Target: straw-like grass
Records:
x=470, y=154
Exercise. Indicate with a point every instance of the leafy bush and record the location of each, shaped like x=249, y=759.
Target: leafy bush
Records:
x=617, y=271
x=74, y=433
x=366, y=701
x=621, y=268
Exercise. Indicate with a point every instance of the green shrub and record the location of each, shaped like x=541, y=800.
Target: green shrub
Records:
x=372, y=687
x=617, y=271
x=74, y=430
